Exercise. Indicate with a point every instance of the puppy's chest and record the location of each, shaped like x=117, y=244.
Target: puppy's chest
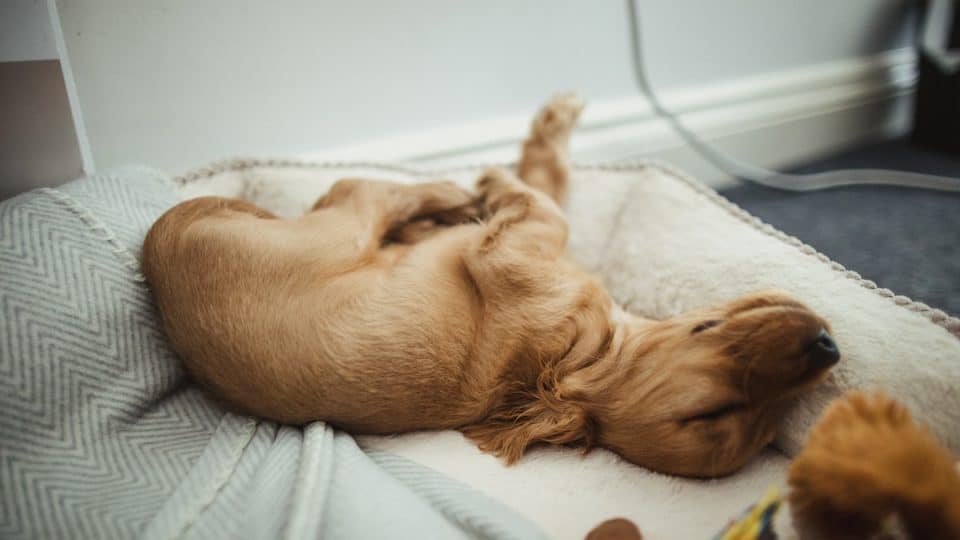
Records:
x=531, y=335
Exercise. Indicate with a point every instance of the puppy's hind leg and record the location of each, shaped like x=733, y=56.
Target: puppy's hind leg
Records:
x=162, y=246
x=363, y=213
x=545, y=160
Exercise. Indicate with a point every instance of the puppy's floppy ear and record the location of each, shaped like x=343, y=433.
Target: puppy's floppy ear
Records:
x=549, y=402
x=526, y=418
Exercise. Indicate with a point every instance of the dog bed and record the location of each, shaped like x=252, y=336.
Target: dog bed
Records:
x=101, y=436
x=664, y=244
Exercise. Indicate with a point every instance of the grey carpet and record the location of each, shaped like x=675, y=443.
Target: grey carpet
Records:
x=907, y=240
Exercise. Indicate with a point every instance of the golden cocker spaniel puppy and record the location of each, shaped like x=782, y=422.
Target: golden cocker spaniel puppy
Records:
x=391, y=308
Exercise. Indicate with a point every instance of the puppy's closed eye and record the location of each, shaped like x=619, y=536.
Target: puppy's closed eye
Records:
x=715, y=413
x=705, y=326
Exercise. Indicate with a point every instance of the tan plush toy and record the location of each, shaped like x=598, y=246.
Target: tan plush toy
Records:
x=868, y=470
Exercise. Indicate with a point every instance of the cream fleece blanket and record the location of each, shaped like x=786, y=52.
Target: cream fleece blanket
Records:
x=664, y=244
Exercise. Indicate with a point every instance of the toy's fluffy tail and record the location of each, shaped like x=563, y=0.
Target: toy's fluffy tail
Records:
x=866, y=463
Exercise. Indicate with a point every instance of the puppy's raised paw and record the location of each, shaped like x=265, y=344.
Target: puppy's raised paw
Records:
x=558, y=117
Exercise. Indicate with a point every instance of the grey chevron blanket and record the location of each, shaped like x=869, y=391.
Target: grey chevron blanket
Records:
x=103, y=436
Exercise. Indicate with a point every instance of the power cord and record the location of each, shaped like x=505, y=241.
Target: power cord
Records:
x=758, y=175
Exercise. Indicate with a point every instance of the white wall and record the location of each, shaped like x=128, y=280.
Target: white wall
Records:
x=179, y=83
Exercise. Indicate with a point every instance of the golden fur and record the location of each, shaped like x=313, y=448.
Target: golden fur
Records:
x=867, y=461
x=391, y=308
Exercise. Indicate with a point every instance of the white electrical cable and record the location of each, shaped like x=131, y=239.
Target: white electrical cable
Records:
x=759, y=175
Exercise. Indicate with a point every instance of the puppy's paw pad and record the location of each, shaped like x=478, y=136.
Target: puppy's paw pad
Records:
x=558, y=117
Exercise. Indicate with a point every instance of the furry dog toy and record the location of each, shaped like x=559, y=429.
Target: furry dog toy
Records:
x=868, y=469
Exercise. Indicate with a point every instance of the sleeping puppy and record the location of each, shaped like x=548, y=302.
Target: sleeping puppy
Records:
x=392, y=308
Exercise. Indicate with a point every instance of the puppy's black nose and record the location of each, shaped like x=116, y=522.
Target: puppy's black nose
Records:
x=824, y=352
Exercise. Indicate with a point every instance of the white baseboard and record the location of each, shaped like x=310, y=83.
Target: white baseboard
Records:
x=771, y=120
